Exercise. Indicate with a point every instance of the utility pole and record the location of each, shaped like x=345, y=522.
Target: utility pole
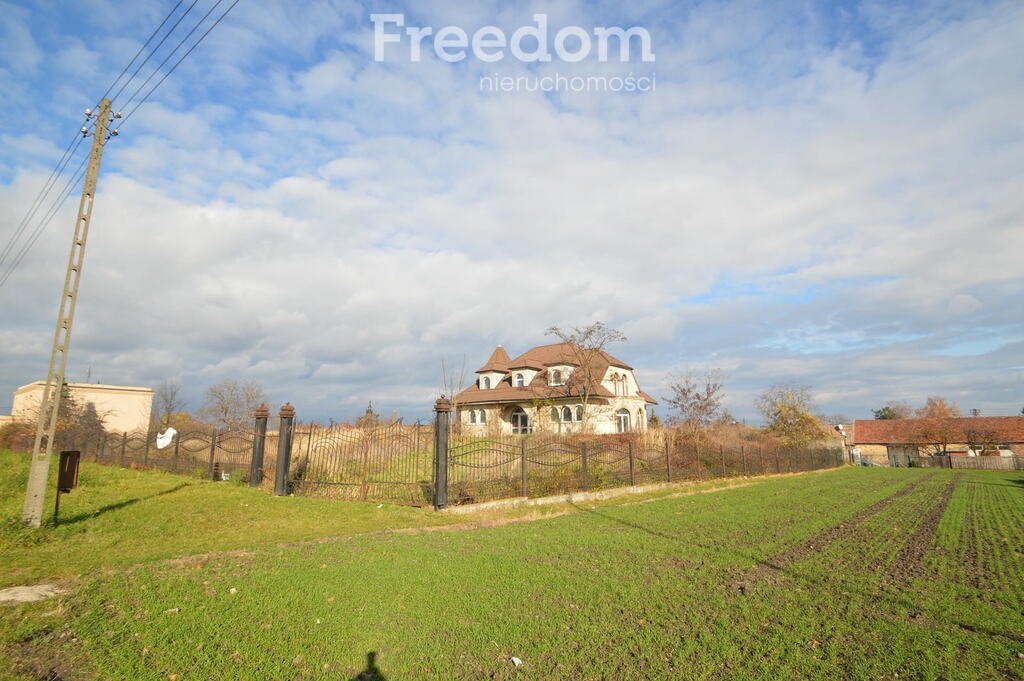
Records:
x=49, y=407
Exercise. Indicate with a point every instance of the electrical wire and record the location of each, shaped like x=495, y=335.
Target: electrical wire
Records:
x=68, y=189
x=55, y=206
x=153, y=51
x=41, y=195
x=144, y=46
x=171, y=54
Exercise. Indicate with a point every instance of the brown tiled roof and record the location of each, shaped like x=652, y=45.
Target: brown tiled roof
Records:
x=1003, y=429
x=647, y=398
x=497, y=362
x=540, y=358
x=562, y=353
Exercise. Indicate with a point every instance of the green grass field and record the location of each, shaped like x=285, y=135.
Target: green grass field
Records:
x=854, y=573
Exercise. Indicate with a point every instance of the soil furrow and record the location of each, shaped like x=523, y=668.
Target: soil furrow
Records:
x=781, y=560
x=910, y=562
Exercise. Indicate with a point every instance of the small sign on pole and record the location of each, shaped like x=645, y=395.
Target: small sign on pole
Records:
x=67, y=477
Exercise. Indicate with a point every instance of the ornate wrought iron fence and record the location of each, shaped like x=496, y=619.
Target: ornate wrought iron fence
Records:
x=542, y=464
x=393, y=462
x=212, y=454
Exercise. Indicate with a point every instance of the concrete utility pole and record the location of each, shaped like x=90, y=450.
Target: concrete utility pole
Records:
x=49, y=407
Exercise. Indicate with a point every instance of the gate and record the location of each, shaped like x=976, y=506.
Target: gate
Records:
x=390, y=463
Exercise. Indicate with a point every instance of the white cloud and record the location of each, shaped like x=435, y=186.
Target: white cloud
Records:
x=783, y=207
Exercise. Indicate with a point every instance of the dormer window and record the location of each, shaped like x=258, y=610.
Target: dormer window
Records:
x=485, y=382
x=520, y=381
x=556, y=377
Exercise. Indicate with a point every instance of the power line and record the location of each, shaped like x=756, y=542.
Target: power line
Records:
x=171, y=54
x=55, y=206
x=144, y=46
x=58, y=170
x=153, y=51
x=42, y=194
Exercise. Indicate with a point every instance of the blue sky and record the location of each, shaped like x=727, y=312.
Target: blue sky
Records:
x=818, y=193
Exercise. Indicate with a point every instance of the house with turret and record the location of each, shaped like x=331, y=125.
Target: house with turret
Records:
x=558, y=388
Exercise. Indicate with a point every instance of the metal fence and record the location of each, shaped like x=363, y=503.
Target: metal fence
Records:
x=212, y=454
x=541, y=464
x=397, y=462
x=393, y=462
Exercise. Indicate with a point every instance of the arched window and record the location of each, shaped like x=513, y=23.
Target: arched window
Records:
x=641, y=422
x=472, y=415
x=520, y=382
x=567, y=414
x=554, y=413
x=486, y=382
x=556, y=377
x=483, y=416
x=520, y=422
x=622, y=421
x=579, y=412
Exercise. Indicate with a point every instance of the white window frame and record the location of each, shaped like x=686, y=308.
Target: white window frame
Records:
x=622, y=421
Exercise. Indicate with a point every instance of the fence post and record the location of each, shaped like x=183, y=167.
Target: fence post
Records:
x=522, y=468
x=778, y=468
x=284, y=449
x=145, y=452
x=668, y=457
x=696, y=462
x=124, y=444
x=743, y=457
x=174, y=461
x=259, y=445
x=632, y=467
x=442, y=407
x=99, y=452
x=721, y=455
x=586, y=473
x=213, y=453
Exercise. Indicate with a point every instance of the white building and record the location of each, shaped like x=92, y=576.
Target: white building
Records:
x=124, y=409
x=558, y=388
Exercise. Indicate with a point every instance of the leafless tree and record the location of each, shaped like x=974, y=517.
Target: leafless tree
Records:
x=894, y=409
x=167, y=401
x=983, y=440
x=586, y=346
x=230, y=404
x=697, y=401
x=934, y=437
x=453, y=380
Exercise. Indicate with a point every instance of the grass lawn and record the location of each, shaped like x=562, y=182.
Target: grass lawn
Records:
x=855, y=573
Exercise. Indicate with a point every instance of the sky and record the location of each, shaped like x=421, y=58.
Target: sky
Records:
x=823, y=194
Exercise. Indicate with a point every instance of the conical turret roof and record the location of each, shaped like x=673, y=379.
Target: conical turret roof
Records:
x=498, y=362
